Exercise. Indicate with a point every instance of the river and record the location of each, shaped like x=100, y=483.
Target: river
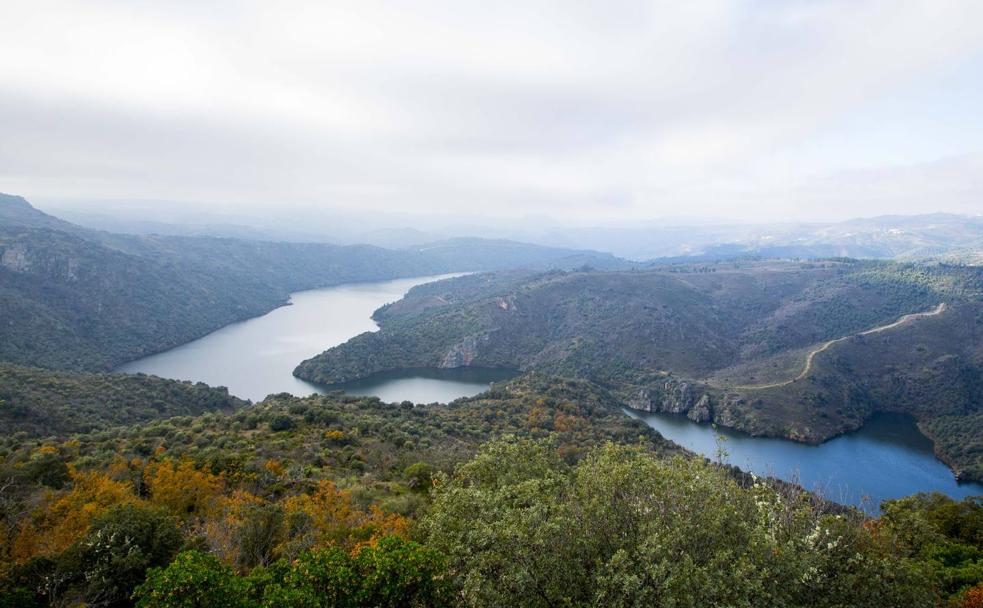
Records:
x=256, y=357
x=887, y=458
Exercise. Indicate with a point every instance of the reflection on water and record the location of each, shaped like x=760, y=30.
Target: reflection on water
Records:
x=256, y=357
x=887, y=458
x=427, y=385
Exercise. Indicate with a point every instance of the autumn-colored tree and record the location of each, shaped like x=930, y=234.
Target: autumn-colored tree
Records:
x=64, y=517
x=181, y=487
x=244, y=530
x=327, y=517
x=972, y=598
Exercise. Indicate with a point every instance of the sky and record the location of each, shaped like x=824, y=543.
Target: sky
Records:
x=606, y=111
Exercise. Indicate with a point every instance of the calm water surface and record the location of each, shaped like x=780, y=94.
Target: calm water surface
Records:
x=256, y=357
x=888, y=458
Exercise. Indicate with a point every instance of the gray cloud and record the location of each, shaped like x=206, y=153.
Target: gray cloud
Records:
x=581, y=110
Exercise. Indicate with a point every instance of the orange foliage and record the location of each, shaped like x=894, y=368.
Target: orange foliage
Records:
x=972, y=598
x=64, y=517
x=274, y=467
x=334, y=521
x=227, y=517
x=567, y=422
x=182, y=488
x=334, y=435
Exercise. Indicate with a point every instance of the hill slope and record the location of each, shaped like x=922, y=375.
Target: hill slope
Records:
x=42, y=403
x=78, y=299
x=717, y=342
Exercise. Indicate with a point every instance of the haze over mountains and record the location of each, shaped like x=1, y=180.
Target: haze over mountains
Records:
x=946, y=236
x=76, y=298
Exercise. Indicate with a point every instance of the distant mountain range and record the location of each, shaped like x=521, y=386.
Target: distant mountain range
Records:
x=940, y=236
x=82, y=299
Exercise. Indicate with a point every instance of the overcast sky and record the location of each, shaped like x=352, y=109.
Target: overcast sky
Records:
x=758, y=109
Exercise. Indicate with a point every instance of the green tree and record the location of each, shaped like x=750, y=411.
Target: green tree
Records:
x=114, y=556
x=193, y=580
x=622, y=528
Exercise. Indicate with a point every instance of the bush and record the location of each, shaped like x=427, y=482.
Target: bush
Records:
x=193, y=580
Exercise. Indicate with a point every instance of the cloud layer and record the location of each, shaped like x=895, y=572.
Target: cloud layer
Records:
x=581, y=110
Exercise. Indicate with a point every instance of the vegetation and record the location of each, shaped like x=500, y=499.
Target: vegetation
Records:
x=84, y=300
x=719, y=342
x=326, y=514
x=42, y=403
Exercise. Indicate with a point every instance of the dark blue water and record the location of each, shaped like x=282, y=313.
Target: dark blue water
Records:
x=887, y=458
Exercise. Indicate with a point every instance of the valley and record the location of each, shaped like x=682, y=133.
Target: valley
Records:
x=666, y=339
x=561, y=361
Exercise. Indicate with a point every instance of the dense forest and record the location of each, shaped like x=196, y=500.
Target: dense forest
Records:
x=44, y=403
x=84, y=300
x=342, y=501
x=723, y=342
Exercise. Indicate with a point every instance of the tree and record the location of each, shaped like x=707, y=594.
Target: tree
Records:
x=393, y=573
x=122, y=544
x=520, y=527
x=193, y=580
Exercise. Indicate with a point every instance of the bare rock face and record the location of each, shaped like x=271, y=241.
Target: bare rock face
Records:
x=462, y=354
x=642, y=401
x=677, y=397
x=671, y=397
x=15, y=258
x=727, y=413
x=700, y=412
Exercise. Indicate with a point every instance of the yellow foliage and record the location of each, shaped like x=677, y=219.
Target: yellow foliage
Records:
x=274, y=467
x=334, y=435
x=227, y=517
x=567, y=422
x=64, y=517
x=334, y=520
x=181, y=487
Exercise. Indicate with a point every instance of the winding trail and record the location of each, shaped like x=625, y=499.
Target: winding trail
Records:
x=812, y=354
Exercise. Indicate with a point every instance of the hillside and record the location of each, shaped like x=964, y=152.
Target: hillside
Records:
x=297, y=500
x=717, y=342
x=78, y=299
x=42, y=403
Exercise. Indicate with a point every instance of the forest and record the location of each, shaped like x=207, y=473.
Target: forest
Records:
x=85, y=300
x=341, y=501
x=722, y=342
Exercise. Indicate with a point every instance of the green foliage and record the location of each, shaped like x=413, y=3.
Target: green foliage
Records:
x=391, y=574
x=419, y=476
x=193, y=580
x=630, y=530
x=45, y=403
x=944, y=533
x=114, y=556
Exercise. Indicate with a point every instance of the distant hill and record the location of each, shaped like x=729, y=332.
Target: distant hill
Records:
x=81, y=299
x=44, y=403
x=702, y=339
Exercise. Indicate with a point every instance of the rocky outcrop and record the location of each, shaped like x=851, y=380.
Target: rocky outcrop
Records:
x=700, y=412
x=461, y=354
x=672, y=397
x=15, y=258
